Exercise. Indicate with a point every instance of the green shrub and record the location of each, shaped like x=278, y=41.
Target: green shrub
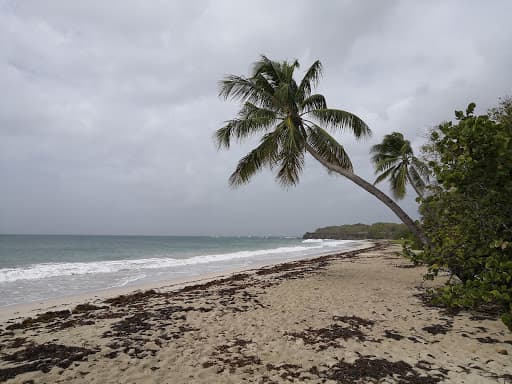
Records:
x=468, y=215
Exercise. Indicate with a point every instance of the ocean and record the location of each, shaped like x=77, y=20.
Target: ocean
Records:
x=39, y=267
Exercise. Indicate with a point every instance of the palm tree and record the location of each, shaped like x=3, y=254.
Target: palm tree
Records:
x=395, y=159
x=292, y=121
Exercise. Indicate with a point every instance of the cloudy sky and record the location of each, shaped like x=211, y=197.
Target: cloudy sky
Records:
x=108, y=108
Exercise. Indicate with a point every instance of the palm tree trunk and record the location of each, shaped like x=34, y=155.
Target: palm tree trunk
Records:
x=414, y=186
x=402, y=215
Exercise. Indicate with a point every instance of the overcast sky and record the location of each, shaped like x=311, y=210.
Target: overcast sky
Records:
x=108, y=107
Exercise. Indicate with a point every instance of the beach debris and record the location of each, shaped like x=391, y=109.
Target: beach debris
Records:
x=355, y=321
x=43, y=357
x=287, y=371
x=231, y=357
x=391, y=334
x=213, y=283
x=134, y=298
x=74, y=323
x=44, y=318
x=488, y=340
x=132, y=324
x=87, y=307
x=436, y=329
x=14, y=343
x=364, y=369
x=329, y=336
x=178, y=334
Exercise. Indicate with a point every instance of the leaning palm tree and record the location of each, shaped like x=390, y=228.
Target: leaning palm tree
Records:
x=395, y=160
x=292, y=121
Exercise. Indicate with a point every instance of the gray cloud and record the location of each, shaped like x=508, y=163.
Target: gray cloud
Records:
x=109, y=107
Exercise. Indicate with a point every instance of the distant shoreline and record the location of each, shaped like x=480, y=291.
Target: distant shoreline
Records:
x=375, y=231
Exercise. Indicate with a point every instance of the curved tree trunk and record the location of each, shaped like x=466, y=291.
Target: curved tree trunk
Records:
x=418, y=192
x=413, y=227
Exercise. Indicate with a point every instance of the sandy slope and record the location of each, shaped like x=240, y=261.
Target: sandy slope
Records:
x=350, y=318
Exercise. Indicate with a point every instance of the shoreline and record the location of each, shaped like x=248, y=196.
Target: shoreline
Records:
x=356, y=317
x=21, y=310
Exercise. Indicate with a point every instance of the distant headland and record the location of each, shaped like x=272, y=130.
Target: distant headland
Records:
x=359, y=231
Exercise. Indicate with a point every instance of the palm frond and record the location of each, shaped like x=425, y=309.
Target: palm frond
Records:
x=282, y=95
x=422, y=168
x=251, y=120
x=235, y=87
x=243, y=89
x=339, y=119
x=380, y=154
x=377, y=153
x=327, y=147
x=406, y=150
x=243, y=128
x=382, y=150
x=392, y=145
x=269, y=69
x=288, y=69
x=262, y=83
x=310, y=80
x=416, y=179
x=385, y=163
x=222, y=137
x=399, y=181
x=291, y=165
x=250, y=110
x=384, y=175
x=315, y=101
x=265, y=154
x=291, y=154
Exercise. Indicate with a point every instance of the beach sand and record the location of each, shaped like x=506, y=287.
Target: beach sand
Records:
x=347, y=318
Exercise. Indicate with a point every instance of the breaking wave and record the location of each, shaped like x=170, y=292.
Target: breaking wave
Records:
x=49, y=270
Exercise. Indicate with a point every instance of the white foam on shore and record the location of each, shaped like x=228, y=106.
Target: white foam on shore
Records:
x=48, y=270
x=129, y=280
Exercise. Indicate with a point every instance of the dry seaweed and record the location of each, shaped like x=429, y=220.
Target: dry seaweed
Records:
x=390, y=334
x=43, y=357
x=365, y=370
x=86, y=307
x=43, y=318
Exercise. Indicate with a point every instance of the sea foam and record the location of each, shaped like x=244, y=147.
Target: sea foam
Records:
x=48, y=270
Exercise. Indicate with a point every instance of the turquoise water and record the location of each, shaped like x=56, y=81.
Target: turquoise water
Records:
x=38, y=267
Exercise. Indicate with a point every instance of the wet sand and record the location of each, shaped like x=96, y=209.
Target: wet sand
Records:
x=346, y=318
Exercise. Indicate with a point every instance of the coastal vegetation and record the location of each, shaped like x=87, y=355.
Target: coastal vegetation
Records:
x=468, y=211
x=360, y=231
